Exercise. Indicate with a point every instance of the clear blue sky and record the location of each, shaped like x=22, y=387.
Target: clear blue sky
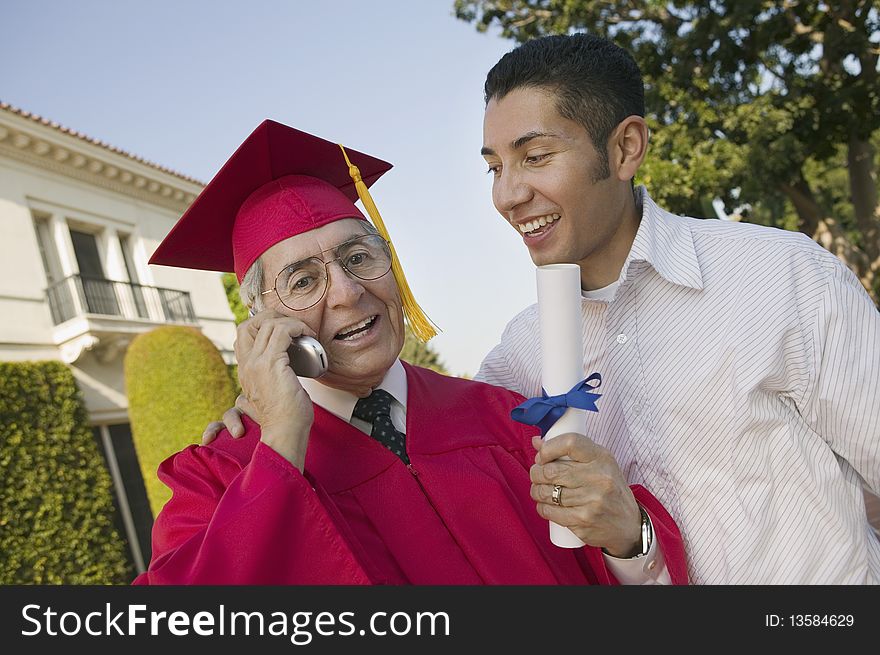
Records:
x=183, y=83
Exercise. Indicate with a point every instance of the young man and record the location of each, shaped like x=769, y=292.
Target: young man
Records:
x=740, y=364
x=377, y=472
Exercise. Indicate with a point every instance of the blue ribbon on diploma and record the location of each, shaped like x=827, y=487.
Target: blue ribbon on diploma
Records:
x=545, y=410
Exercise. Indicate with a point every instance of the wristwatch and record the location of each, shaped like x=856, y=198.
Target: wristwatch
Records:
x=647, y=534
x=647, y=537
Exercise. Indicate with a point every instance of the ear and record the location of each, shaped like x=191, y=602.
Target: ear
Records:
x=628, y=146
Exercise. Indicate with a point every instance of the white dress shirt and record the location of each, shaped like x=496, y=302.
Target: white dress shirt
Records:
x=644, y=570
x=741, y=385
x=341, y=403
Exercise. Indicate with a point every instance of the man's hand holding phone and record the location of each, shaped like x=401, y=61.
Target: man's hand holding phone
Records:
x=274, y=396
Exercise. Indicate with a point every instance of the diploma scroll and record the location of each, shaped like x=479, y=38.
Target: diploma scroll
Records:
x=562, y=356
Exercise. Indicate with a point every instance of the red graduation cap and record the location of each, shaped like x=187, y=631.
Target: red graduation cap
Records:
x=279, y=183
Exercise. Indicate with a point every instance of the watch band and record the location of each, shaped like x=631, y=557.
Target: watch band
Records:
x=646, y=538
x=647, y=532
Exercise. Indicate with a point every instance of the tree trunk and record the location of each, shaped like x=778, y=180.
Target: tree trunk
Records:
x=863, y=189
x=808, y=210
x=826, y=231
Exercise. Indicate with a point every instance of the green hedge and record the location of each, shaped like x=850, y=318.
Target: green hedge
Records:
x=230, y=285
x=232, y=369
x=56, y=503
x=176, y=383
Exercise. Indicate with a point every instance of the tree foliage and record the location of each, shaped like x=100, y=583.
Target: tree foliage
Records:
x=230, y=284
x=421, y=354
x=56, y=502
x=177, y=383
x=773, y=107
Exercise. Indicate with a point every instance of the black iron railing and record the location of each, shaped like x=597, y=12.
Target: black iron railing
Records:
x=76, y=295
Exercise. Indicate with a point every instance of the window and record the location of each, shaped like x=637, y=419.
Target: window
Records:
x=99, y=292
x=58, y=290
x=137, y=292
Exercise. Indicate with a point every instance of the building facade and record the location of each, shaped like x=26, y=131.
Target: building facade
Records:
x=79, y=219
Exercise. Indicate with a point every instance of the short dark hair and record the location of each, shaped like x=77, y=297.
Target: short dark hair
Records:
x=597, y=83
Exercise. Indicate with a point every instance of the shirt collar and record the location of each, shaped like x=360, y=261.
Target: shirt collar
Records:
x=665, y=242
x=341, y=403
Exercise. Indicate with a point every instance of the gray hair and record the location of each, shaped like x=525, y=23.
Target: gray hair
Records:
x=251, y=288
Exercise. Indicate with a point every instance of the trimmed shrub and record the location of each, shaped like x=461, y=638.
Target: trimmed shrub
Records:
x=176, y=383
x=56, y=503
x=233, y=375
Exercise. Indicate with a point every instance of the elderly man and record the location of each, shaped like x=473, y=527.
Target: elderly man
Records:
x=378, y=472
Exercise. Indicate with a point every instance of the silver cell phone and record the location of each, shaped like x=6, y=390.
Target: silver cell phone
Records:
x=307, y=357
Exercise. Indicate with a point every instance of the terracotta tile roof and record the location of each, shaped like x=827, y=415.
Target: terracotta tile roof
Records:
x=79, y=135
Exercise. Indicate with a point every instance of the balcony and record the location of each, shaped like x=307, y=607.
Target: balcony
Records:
x=104, y=315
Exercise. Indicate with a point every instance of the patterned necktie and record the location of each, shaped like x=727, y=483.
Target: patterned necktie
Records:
x=376, y=409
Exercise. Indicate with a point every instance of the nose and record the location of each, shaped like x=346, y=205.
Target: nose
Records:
x=343, y=290
x=509, y=191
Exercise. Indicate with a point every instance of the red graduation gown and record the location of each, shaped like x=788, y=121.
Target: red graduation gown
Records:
x=461, y=513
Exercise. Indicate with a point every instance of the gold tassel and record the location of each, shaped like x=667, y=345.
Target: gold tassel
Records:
x=422, y=327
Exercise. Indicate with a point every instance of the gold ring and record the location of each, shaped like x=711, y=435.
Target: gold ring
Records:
x=556, y=497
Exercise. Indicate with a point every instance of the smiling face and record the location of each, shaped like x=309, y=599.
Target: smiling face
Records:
x=359, y=322
x=545, y=170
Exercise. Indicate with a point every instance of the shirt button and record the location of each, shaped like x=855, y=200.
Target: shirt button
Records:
x=652, y=564
x=636, y=410
x=621, y=338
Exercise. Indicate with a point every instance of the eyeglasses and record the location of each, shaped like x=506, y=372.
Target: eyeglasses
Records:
x=302, y=284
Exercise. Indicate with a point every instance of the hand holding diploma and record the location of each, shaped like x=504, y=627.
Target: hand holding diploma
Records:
x=577, y=484
x=597, y=506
